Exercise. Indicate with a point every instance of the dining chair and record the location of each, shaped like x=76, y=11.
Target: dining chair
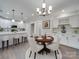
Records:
x=34, y=46
x=54, y=46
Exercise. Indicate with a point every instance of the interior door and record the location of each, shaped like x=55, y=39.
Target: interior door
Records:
x=32, y=28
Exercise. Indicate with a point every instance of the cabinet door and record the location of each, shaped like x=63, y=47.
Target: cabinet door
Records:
x=63, y=21
x=55, y=23
x=74, y=21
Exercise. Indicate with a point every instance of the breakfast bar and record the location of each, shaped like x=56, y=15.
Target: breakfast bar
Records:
x=12, y=38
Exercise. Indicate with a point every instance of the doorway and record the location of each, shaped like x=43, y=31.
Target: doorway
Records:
x=32, y=28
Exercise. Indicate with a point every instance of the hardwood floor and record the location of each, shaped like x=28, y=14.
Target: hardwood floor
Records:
x=19, y=51
x=69, y=53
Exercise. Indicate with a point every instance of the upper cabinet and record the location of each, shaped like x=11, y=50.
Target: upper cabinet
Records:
x=55, y=23
x=74, y=21
x=63, y=21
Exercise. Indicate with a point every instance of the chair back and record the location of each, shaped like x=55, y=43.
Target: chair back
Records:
x=32, y=43
x=55, y=45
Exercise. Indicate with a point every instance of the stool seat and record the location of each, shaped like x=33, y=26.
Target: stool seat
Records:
x=5, y=38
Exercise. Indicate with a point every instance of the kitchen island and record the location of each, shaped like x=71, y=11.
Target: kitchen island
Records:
x=4, y=36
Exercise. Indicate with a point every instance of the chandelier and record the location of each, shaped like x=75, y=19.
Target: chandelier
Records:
x=21, y=17
x=44, y=10
x=13, y=19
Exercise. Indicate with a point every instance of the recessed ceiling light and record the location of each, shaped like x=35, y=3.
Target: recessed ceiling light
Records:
x=62, y=10
x=32, y=14
x=21, y=22
x=13, y=20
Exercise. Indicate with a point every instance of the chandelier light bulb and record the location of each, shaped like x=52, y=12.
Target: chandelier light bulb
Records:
x=21, y=22
x=39, y=12
x=43, y=5
x=37, y=9
x=49, y=12
x=13, y=20
x=44, y=13
x=50, y=7
x=44, y=10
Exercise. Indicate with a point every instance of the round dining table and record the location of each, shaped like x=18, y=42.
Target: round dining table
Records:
x=44, y=40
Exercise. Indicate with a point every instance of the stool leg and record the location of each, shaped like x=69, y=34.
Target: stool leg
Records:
x=7, y=43
x=25, y=39
x=22, y=39
x=35, y=55
x=13, y=41
x=18, y=40
x=3, y=45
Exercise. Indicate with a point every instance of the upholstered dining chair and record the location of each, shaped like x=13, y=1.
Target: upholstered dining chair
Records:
x=34, y=46
x=54, y=46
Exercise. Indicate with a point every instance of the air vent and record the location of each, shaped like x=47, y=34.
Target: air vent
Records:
x=1, y=10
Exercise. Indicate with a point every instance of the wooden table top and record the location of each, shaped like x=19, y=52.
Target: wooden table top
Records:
x=44, y=39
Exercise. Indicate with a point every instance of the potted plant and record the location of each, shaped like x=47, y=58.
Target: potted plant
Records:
x=14, y=28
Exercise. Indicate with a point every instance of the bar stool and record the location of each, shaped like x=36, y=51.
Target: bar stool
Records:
x=24, y=38
x=16, y=39
x=20, y=38
x=5, y=41
x=11, y=36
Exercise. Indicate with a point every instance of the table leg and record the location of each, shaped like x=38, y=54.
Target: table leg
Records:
x=55, y=54
x=45, y=49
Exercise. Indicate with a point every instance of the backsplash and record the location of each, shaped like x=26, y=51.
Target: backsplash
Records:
x=69, y=32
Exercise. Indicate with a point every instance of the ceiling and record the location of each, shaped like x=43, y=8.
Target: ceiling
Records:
x=28, y=7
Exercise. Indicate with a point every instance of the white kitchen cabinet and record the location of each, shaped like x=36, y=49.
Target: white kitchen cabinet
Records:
x=69, y=40
x=9, y=36
x=63, y=21
x=73, y=42
x=74, y=21
x=55, y=23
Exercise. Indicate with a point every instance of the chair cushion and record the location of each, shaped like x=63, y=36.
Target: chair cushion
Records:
x=48, y=37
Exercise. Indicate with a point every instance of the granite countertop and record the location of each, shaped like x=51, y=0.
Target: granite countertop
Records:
x=7, y=33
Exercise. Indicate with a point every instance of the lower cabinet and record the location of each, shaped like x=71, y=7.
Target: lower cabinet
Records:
x=70, y=41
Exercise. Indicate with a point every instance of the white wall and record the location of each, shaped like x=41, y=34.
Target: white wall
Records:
x=38, y=24
x=5, y=23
